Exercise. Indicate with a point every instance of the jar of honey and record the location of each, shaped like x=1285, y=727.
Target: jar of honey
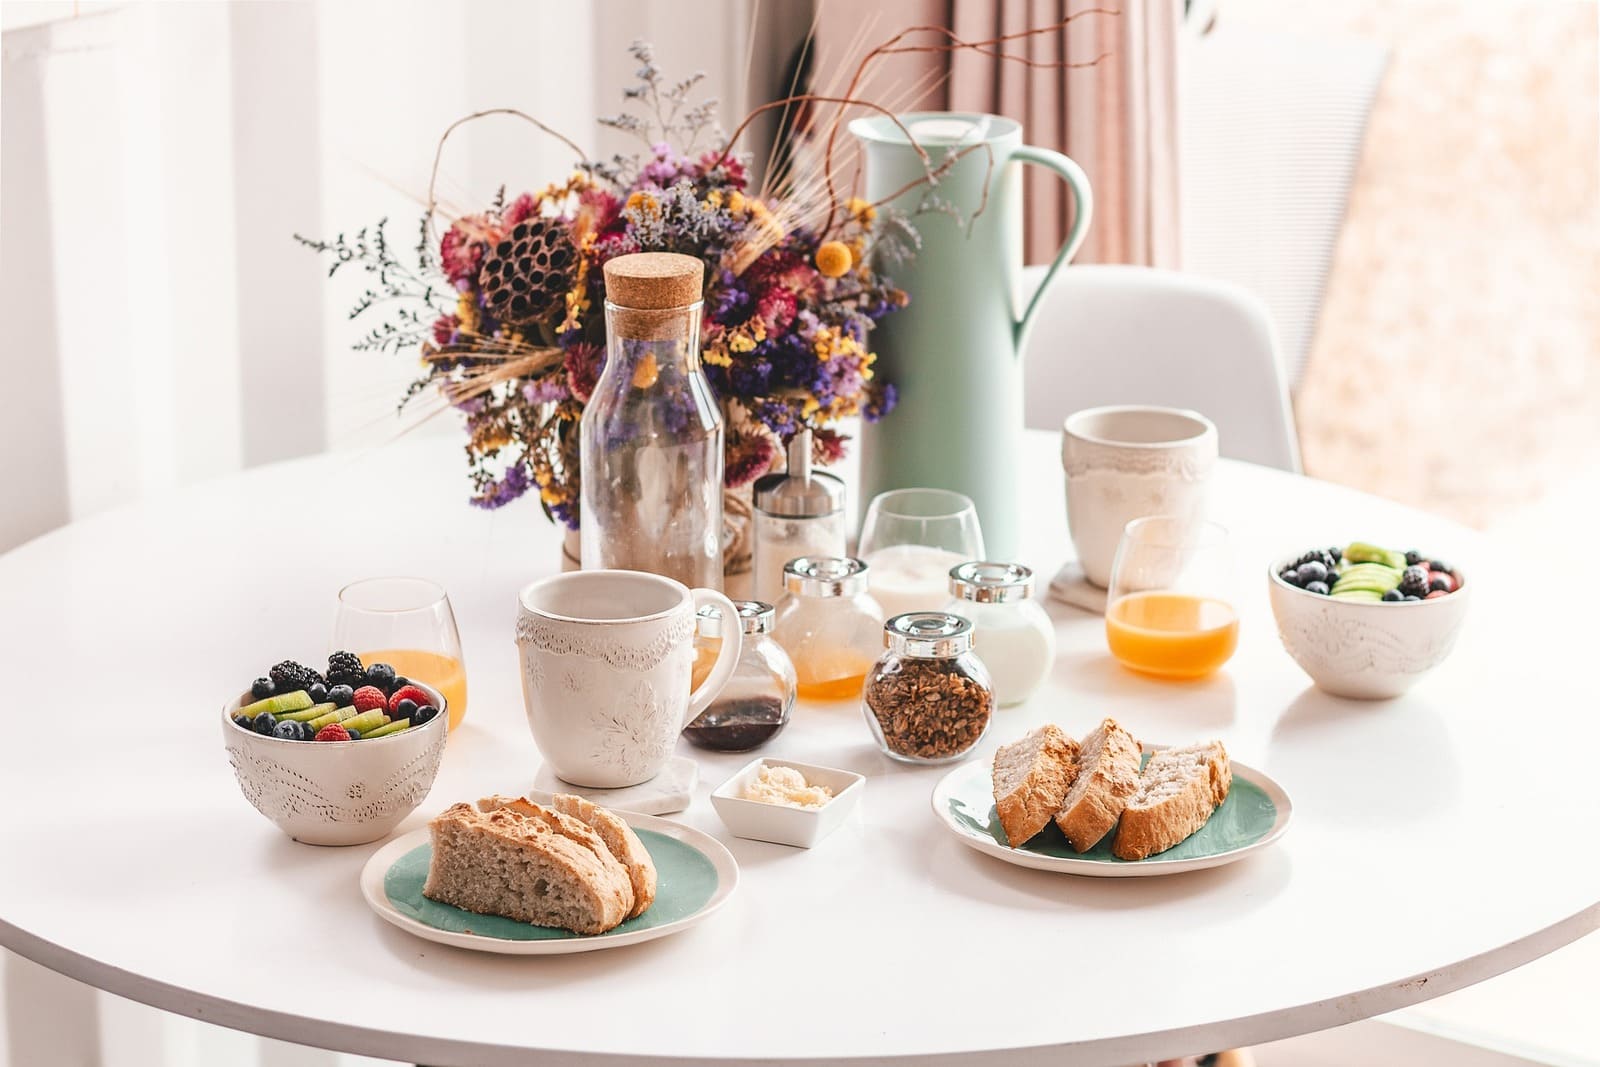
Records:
x=829, y=624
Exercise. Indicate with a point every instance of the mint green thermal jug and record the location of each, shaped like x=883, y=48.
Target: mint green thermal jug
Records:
x=955, y=353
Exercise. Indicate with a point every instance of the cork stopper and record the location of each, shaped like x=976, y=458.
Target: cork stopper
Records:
x=654, y=281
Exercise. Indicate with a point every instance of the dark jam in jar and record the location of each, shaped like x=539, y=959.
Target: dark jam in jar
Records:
x=737, y=725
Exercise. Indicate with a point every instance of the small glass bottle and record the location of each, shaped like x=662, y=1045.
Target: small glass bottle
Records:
x=928, y=700
x=829, y=625
x=799, y=512
x=755, y=704
x=1012, y=635
x=650, y=441
x=707, y=643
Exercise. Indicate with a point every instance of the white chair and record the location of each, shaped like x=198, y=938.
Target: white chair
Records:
x=1136, y=335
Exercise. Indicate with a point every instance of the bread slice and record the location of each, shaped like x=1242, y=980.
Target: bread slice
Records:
x=508, y=857
x=623, y=843
x=1031, y=777
x=1178, y=791
x=1108, y=774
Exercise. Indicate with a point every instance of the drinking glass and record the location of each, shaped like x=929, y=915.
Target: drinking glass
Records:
x=1169, y=612
x=910, y=539
x=408, y=624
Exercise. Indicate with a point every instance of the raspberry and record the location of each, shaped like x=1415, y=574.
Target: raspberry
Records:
x=369, y=697
x=407, y=692
x=332, y=732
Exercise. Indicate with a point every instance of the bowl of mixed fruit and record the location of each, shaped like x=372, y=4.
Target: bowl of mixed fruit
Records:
x=1367, y=621
x=337, y=757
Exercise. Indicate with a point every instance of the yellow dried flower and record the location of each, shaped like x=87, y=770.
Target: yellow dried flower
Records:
x=736, y=203
x=646, y=373
x=861, y=210
x=833, y=259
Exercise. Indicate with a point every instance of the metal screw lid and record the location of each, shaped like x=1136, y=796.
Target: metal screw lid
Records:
x=755, y=617
x=825, y=576
x=927, y=635
x=799, y=492
x=983, y=582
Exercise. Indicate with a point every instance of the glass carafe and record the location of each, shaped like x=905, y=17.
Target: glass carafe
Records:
x=651, y=434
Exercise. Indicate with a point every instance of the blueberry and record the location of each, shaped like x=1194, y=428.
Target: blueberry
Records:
x=405, y=708
x=399, y=680
x=1413, y=598
x=1290, y=575
x=341, y=695
x=423, y=714
x=263, y=723
x=317, y=692
x=288, y=730
x=262, y=688
x=1319, y=588
x=1314, y=571
x=243, y=721
x=1413, y=557
x=1439, y=585
x=1440, y=565
x=380, y=675
x=1336, y=553
x=355, y=735
x=1393, y=596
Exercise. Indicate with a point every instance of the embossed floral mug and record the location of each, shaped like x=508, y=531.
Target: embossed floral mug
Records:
x=1131, y=462
x=606, y=658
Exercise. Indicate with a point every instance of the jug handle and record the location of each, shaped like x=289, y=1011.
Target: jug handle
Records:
x=1083, y=211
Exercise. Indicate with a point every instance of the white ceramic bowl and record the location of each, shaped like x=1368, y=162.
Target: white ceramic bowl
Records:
x=801, y=827
x=1362, y=649
x=337, y=792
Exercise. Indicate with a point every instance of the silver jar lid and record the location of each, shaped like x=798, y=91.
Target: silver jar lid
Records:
x=825, y=576
x=991, y=583
x=799, y=492
x=927, y=635
x=755, y=617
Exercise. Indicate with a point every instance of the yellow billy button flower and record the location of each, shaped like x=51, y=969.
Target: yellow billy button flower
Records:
x=833, y=259
x=736, y=202
x=861, y=210
x=646, y=373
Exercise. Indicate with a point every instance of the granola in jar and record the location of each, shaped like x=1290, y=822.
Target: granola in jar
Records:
x=929, y=699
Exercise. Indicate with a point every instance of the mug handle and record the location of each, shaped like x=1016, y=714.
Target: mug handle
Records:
x=1083, y=211
x=727, y=657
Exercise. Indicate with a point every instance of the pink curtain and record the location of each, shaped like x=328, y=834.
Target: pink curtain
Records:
x=1117, y=118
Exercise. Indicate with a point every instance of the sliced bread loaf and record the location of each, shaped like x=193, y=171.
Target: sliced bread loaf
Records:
x=1031, y=777
x=623, y=843
x=1108, y=774
x=508, y=857
x=1178, y=790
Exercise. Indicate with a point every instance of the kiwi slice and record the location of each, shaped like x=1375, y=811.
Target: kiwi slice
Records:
x=334, y=714
x=314, y=712
x=295, y=701
x=366, y=721
x=398, y=726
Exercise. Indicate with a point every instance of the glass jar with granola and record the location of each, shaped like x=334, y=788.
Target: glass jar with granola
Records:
x=929, y=699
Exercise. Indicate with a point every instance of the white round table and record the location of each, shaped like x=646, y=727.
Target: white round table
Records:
x=1438, y=839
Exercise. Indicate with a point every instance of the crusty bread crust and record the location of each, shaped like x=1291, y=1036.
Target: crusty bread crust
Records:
x=1031, y=778
x=1108, y=774
x=623, y=843
x=552, y=870
x=1179, y=790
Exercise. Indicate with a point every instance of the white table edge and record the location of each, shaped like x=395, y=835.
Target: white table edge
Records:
x=1165, y=1044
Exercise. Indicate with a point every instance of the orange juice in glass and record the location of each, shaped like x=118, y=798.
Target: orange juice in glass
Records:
x=407, y=623
x=1168, y=613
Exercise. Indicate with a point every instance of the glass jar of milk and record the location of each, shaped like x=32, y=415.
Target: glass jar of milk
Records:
x=1012, y=635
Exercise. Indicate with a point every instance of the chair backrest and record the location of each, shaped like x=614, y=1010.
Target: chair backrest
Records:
x=1136, y=335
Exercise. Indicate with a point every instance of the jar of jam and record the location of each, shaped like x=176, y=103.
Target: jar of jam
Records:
x=755, y=704
x=928, y=700
x=829, y=624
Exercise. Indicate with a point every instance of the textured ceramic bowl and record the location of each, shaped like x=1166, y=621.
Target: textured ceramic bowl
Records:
x=1362, y=649
x=336, y=792
x=801, y=827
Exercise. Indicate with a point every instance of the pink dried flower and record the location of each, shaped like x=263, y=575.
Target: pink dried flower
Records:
x=748, y=457
x=518, y=209
x=460, y=256
x=582, y=364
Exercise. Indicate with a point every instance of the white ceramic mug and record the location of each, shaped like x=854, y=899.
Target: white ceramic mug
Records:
x=606, y=657
x=1126, y=463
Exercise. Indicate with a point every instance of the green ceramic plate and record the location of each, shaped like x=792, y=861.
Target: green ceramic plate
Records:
x=695, y=874
x=1255, y=814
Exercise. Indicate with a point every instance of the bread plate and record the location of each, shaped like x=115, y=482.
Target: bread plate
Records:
x=1255, y=814
x=696, y=876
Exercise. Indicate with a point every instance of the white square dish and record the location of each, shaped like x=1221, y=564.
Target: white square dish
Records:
x=783, y=825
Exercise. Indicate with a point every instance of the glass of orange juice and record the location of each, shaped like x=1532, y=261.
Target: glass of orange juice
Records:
x=1168, y=611
x=408, y=624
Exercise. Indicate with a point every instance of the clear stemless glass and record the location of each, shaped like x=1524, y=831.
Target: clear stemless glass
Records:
x=1170, y=611
x=408, y=624
x=910, y=539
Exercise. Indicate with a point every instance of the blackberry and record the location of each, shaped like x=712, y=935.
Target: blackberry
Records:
x=289, y=676
x=344, y=668
x=1318, y=555
x=1414, y=581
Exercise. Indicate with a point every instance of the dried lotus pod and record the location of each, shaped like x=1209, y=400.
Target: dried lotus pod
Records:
x=528, y=273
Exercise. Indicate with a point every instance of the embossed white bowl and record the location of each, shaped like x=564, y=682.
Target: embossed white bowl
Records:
x=1362, y=649
x=337, y=792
